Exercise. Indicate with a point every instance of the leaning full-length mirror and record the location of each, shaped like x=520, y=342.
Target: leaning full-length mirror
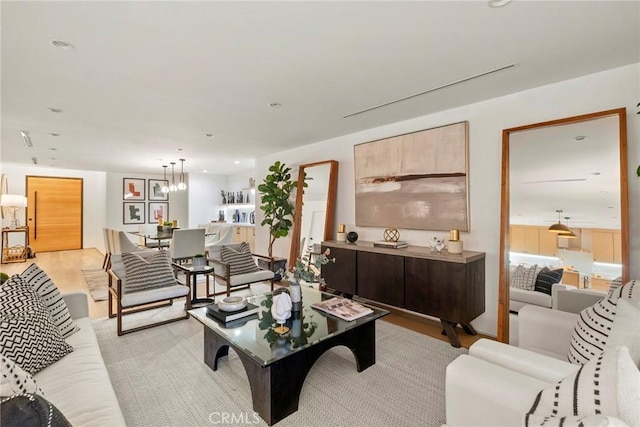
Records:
x=315, y=206
x=564, y=207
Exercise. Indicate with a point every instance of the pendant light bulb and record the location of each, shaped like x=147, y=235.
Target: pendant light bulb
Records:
x=173, y=186
x=182, y=185
x=165, y=187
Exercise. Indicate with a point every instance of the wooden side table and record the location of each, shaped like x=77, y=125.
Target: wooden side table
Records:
x=17, y=253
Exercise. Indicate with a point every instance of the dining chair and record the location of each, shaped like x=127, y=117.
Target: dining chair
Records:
x=185, y=243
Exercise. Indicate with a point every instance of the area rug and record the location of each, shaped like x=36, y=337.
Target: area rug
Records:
x=161, y=380
x=97, y=280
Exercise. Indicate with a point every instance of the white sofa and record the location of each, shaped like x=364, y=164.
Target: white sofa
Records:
x=518, y=298
x=78, y=384
x=496, y=384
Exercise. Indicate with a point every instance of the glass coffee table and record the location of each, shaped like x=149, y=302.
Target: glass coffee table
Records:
x=277, y=365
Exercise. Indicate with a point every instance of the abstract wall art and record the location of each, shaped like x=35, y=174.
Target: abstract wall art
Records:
x=414, y=181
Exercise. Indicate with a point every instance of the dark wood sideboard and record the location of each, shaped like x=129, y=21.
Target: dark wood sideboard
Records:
x=447, y=286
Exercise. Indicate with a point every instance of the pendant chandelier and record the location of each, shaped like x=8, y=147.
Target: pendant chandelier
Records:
x=559, y=227
x=165, y=184
x=173, y=187
x=182, y=185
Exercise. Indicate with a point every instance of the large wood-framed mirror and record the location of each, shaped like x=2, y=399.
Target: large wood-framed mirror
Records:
x=315, y=206
x=577, y=165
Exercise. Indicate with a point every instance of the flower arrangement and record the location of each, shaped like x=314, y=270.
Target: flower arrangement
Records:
x=310, y=271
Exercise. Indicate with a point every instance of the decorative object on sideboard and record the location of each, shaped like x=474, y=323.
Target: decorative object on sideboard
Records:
x=252, y=217
x=391, y=235
x=13, y=203
x=221, y=216
x=224, y=197
x=437, y=245
x=352, y=237
x=455, y=244
x=341, y=236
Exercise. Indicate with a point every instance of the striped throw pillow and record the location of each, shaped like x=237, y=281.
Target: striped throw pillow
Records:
x=50, y=295
x=240, y=260
x=152, y=272
x=593, y=328
x=546, y=278
x=524, y=277
x=607, y=386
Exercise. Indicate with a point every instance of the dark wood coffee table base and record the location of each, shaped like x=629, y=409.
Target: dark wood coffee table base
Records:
x=275, y=388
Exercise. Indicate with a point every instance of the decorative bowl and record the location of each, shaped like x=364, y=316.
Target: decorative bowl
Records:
x=232, y=303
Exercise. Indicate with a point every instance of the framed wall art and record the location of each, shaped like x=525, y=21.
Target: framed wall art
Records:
x=133, y=212
x=158, y=210
x=133, y=189
x=414, y=181
x=155, y=190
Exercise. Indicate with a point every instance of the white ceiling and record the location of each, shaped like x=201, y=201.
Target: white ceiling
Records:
x=148, y=78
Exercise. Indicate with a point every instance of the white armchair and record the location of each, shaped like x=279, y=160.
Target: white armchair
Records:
x=496, y=384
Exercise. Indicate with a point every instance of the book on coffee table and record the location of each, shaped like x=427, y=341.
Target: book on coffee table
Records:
x=227, y=316
x=343, y=308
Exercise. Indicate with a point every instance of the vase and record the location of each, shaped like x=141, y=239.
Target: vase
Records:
x=296, y=295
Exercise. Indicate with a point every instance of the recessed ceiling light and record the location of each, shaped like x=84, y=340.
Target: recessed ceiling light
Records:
x=52, y=158
x=54, y=134
x=580, y=138
x=179, y=149
x=54, y=110
x=204, y=171
x=237, y=162
x=62, y=44
x=275, y=105
x=595, y=173
x=208, y=135
x=52, y=148
x=498, y=3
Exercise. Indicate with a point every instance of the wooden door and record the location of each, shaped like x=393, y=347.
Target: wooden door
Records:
x=54, y=213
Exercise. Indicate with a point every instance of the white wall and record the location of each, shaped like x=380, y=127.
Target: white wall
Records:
x=205, y=199
x=601, y=91
x=94, y=189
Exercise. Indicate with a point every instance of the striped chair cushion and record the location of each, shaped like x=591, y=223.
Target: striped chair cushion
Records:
x=142, y=274
x=240, y=260
x=50, y=295
x=593, y=328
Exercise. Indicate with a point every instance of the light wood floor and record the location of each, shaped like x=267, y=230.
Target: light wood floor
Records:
x=64, y=267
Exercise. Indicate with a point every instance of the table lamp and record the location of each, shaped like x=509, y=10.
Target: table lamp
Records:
x=13, y=203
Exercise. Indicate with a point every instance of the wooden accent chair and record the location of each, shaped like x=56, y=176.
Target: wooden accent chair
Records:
x=225, y=272
x=147, y=285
